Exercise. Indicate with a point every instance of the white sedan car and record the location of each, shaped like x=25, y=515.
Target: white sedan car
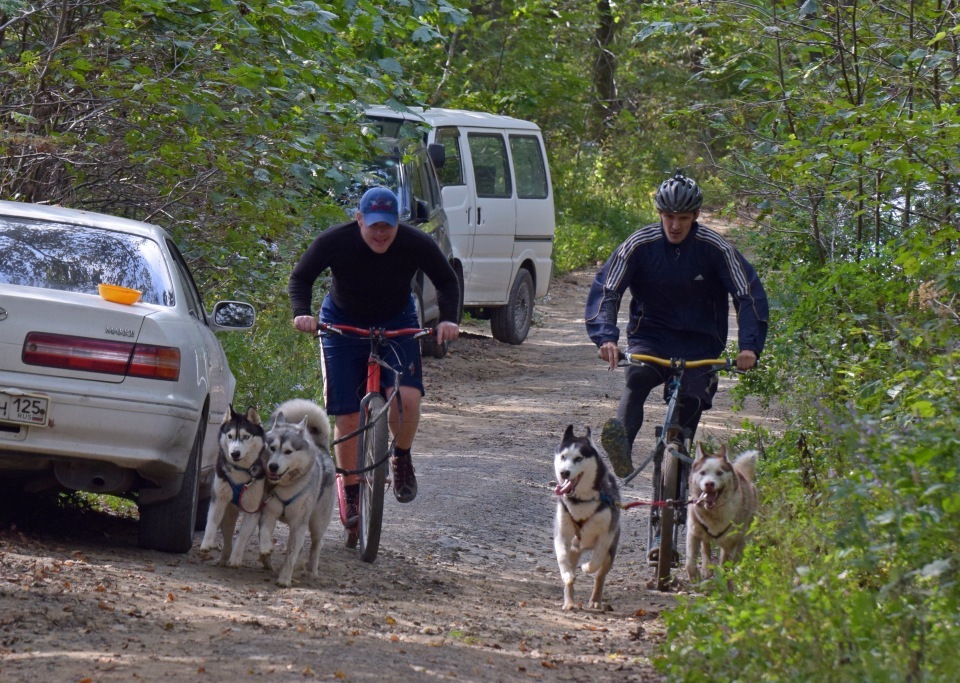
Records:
x=111, y=377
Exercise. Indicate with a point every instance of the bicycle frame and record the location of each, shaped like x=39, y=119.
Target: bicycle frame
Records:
x=373, y=446
x=676, y=366
x=670, y=471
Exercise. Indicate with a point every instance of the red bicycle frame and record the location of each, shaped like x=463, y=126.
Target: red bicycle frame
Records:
x=376, y=335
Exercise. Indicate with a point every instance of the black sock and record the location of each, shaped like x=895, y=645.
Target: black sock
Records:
x=401, y=452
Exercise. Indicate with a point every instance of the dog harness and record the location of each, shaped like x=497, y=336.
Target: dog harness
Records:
x=712, y=535
x=605, y=501
x=255, y=472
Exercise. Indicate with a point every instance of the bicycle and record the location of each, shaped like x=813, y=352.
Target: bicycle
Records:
x=373, y=447
x=671, y=465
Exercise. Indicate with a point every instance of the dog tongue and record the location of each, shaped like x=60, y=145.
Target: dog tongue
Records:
x=565, y=487
x=707, y=499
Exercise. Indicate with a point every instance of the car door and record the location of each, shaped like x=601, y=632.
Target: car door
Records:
x=212, y=368
x=458, y=201
x=491, y=272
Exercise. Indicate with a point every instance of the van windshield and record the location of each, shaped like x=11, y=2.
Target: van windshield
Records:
x=383, y=172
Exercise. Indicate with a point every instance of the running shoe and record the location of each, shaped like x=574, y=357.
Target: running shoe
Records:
x=614, y=440
x=404, y=480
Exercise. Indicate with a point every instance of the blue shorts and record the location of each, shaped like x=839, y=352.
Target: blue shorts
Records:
x=344, y=359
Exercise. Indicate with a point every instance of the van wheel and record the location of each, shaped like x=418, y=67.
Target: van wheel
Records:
x=168, y=526
x=511, y=323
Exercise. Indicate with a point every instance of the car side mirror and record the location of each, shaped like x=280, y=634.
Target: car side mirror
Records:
x=234, y=315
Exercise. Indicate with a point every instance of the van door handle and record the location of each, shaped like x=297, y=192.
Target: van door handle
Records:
x=478, y=215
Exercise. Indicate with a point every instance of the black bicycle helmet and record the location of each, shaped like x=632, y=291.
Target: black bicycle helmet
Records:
x=678, y=194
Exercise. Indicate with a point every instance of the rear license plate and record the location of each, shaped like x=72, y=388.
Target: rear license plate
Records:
x=28, y=409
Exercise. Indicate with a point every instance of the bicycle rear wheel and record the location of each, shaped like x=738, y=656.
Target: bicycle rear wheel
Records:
x=671, y=467
x=372, y=448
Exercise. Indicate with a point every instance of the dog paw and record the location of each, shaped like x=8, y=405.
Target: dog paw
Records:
x=284, y=582
x=568, y=607
x=589, y=567
x=267, y=561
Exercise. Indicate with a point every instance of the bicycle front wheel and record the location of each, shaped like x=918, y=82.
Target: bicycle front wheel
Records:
x=372, y=449
x=671, y=468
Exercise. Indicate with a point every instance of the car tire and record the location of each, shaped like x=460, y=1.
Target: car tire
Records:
x=510, y=324
x=459, y=272
x=168, y=526
x=203, y=508
x=428, y=345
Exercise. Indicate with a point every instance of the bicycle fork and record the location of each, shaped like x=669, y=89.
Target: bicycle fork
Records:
x=373, y=385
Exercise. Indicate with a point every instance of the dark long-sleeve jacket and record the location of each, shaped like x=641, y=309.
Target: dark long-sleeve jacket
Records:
x=372, y=287
x=679, y=305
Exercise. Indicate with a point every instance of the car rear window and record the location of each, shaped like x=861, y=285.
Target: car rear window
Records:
x=77, y=258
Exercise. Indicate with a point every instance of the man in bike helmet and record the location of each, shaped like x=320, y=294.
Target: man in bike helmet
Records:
x=680, y=274
x=372, y=261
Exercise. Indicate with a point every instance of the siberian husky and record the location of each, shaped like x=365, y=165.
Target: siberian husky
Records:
x=300, y=479
x=725, y=501
x=588, y=514
x=238, y=483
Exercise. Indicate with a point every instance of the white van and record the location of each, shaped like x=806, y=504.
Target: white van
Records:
x=499, y=203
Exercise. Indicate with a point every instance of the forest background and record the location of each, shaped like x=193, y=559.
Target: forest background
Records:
x=828, y=130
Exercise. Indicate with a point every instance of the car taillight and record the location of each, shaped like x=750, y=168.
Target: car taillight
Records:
x=101, y=355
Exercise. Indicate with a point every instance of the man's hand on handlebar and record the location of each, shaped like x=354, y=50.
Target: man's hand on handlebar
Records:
x=610, y=352
x=305, y=323
x=446, y=331
x=746, y=360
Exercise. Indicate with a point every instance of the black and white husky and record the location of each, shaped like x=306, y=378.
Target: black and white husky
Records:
x=238, y=483
x=300, y=486
x=588, y=514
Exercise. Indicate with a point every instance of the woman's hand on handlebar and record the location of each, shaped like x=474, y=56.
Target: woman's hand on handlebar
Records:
x=610, y=352
x=305, y=323
x=446, y=331
x=746, y=360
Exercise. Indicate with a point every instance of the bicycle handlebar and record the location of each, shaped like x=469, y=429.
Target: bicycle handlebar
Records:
x=674, y=363
x=379, y=332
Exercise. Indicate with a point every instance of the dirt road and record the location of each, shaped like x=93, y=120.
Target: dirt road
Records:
x=466, y=587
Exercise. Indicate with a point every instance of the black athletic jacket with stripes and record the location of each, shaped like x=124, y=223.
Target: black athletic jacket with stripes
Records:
x=679, y=305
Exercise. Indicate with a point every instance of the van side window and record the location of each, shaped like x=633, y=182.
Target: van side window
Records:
x=452, y=171
x=490, y=167
x=529, y=166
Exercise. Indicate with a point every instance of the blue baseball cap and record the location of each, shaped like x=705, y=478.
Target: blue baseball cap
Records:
x=380, y=205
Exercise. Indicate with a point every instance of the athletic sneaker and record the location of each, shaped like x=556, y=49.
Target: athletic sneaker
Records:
x=404, y=480
x=614, y=440
x=653, y=556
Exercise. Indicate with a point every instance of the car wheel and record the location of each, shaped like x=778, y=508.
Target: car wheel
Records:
x=459, y=272
x=168, y=526
x=203, y=508
x=428, y=345
x=511, y=323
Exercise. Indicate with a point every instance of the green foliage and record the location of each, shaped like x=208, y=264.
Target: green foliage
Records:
x=852, y=572
x=833, y=126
